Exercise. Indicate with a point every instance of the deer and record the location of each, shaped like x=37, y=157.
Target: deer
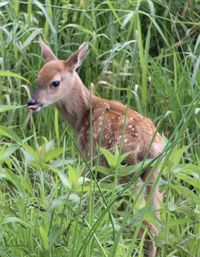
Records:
x=58, y=83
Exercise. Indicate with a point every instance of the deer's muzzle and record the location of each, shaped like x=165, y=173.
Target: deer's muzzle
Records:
x=34, y=105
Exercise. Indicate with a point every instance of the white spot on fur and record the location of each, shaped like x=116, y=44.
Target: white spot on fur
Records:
x=109, y=124
x=99, y=130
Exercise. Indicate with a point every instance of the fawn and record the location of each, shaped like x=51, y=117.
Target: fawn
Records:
x=59, y=84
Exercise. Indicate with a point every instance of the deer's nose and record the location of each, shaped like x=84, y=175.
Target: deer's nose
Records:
x=31, y=101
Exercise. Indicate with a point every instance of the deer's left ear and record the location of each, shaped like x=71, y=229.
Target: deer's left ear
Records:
x=76, y=59
x=47, y=53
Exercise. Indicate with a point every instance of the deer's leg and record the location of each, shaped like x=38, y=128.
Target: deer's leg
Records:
x=149, y=245
x=157, y=197
x=156, y=200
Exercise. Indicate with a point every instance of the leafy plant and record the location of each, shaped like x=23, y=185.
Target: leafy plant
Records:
x=142, y=53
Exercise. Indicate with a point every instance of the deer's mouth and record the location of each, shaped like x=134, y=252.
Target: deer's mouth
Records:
x=33, y=105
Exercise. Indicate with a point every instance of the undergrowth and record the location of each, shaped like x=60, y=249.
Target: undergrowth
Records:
x=142, y=53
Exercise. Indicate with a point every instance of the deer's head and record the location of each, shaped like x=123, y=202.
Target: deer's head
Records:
x=56, y=79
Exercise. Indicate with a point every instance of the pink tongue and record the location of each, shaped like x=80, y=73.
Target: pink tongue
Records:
x=33, y=107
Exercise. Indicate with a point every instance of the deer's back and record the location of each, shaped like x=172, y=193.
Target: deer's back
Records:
x=115, y=125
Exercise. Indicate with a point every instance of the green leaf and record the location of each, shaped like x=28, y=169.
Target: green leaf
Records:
x=30, y=154
x=110, y=158
x=12, y=74
x=14, y=220
x=54, y=234
x=42, y=8
x=29, y=39
x=141, y=245
x=44, y=237
x=104, y=170
x=188, y=179
x=49, y=145
x=187, y=193
x=127, y=18
x=53, y=154
x=171, y=205
x=81, y=28
x=177, y=155
x=82, y=180
x=124, y=171
x=4, y=3
x=60, y=162
x=64, y=179
x=191, y=169
x=5, y=153
x=5, y=108
x=14, y=179
x=79, y=189
x=7, y=132
x=181, y=222
x=73, y=176
x=123, y=157
x=129, y=169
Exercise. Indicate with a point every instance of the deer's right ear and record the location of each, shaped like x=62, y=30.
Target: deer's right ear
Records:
x=76, y=59
x=47, y=53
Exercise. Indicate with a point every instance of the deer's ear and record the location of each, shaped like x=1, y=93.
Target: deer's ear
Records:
x=76, y=59
x=47, y=53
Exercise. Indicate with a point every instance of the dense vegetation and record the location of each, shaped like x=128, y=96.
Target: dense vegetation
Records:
x=143, y=53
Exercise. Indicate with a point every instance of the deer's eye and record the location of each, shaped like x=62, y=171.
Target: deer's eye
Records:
x=55, y=83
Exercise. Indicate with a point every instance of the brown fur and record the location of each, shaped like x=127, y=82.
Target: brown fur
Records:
x=113, y=124
x=49, y=71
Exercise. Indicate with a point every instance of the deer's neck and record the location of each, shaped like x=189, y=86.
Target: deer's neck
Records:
x=74, y=105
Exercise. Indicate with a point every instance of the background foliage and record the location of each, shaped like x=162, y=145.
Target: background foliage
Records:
x=143, y=53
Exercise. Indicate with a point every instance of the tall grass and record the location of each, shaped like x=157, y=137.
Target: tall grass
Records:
x=142, y=53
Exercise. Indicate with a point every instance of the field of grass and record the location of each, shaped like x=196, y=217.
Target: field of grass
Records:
x=145, y=54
